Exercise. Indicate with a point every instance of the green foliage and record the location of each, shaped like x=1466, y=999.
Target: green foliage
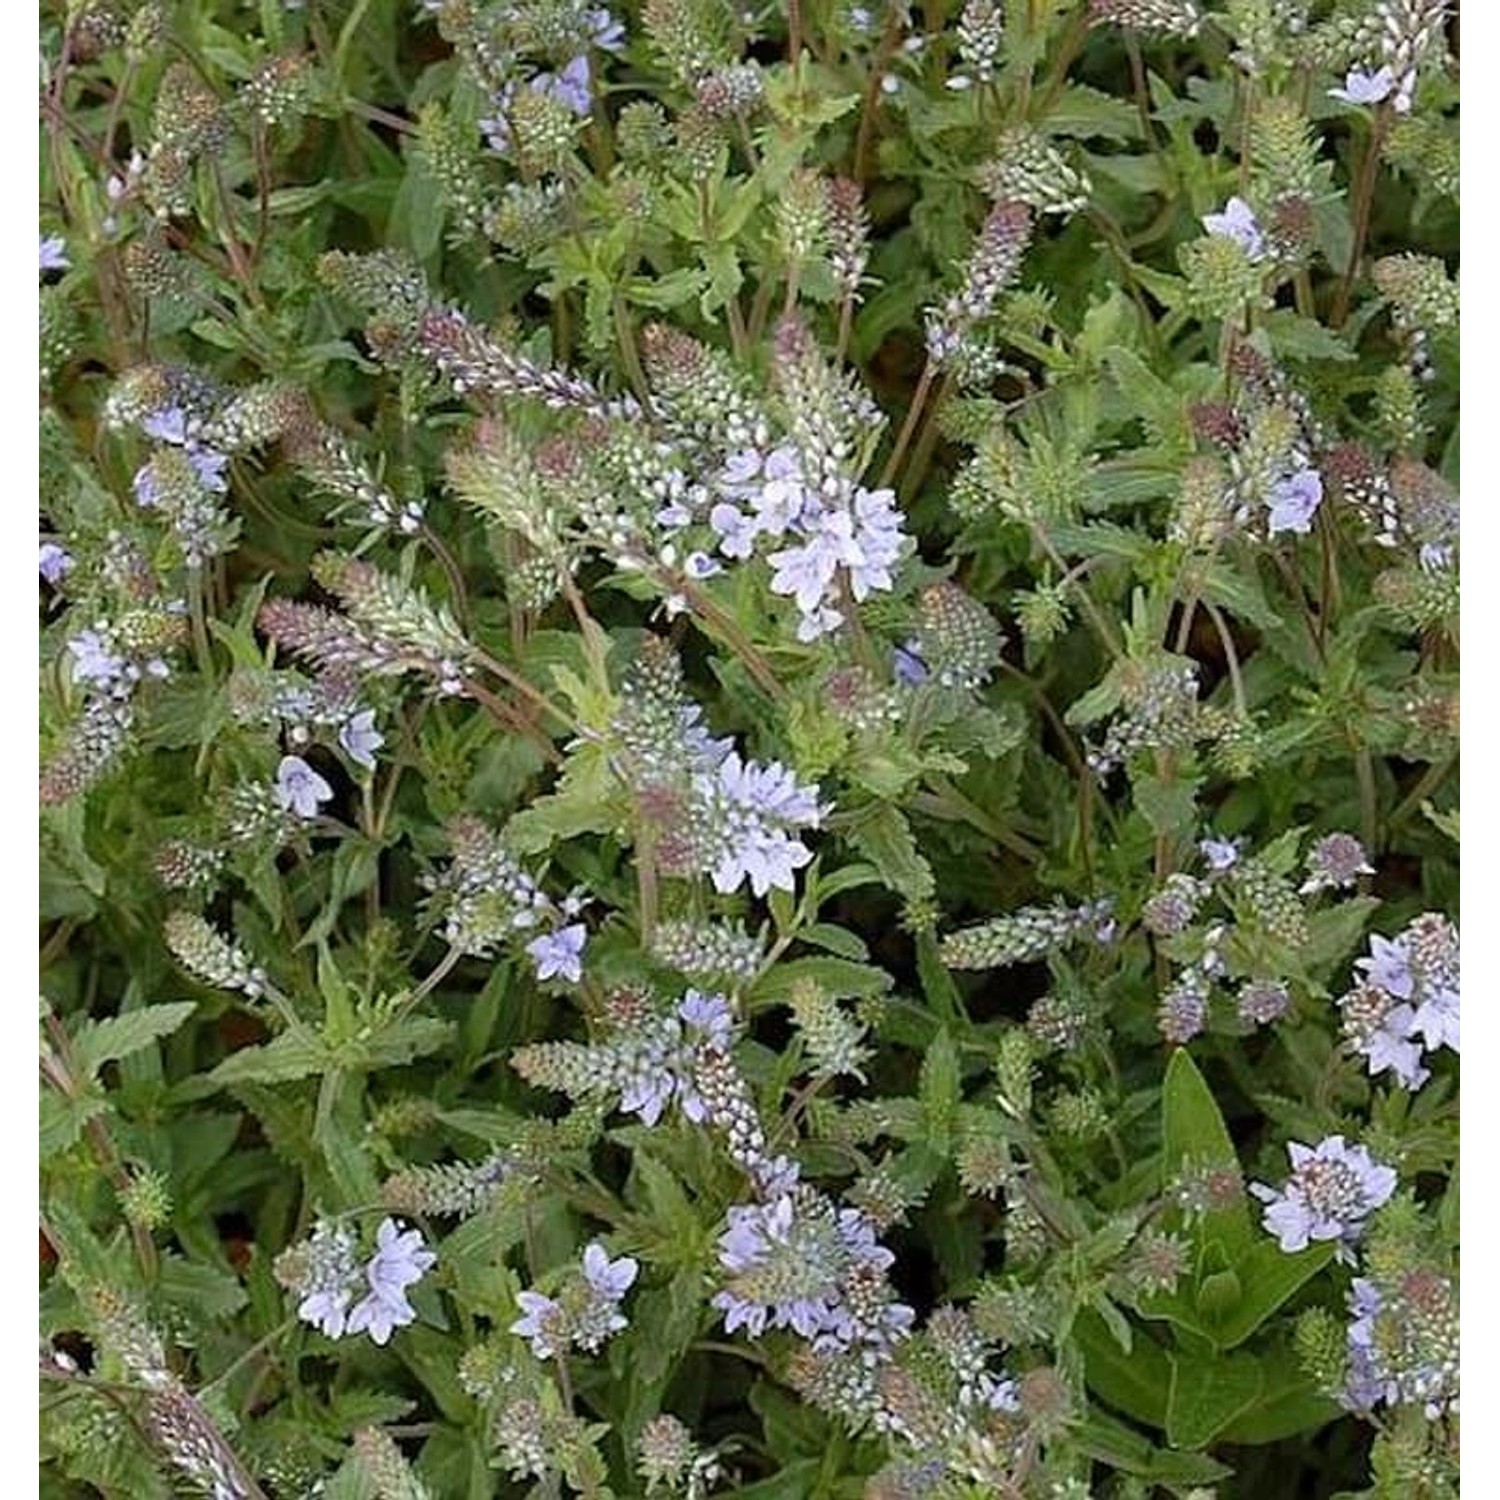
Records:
x=748, y=728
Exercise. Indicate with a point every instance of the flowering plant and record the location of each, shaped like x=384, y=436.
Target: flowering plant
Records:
x=749, y=721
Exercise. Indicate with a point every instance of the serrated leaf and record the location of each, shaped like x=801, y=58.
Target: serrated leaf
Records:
x=939, y=1088
x=585, y=802
x=62, y=1120
x=1169, y=805
x=98, y=1042
x=290, y=1055
x=203, y=1290
x=396, y=1043
x=884, y=837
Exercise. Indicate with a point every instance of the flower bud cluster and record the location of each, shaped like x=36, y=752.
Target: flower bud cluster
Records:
x=209, y=956
x=981, y=40
x=667, y=1458
x=384, y=1468
x=322, y=455
x=722, y=951
x=848, y=234
x=991, y=267
x=1027, y=935
x=1173, y=18
x=1402, y=1342
x=719, y=815
x=389, y=629
x=957, y=641
x=1027, y=168
x=451, y=1188
x=833, y=1039
x=1159, y=711
x=485, y=897
x=471, y=361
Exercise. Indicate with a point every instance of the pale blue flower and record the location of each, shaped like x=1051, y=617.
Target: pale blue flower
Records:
x=1361, y=87
x=1294, y=502
x=1219, y=854
x=330, y=1278
x=610, y=1279
x=1388, y=967
x=93, y=661
x=1238, y=223
x=209, y=465
x=709, y=1014
x=736, y=530
x=299, y=788
x=560, y=953
x=1388, y=1048
x=1333, y=1188
x=54, y=253
x=539, y=1323
x=400, y=1260
x=878, y=536
x=147, y=492
x=1436, y=1019
x=167, y=425
x=908, y=666
x=361, y=739
x=53, y=562
x=604, y=30
x=806, y=571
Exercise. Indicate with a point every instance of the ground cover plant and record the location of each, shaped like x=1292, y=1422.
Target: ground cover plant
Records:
x=749, y=723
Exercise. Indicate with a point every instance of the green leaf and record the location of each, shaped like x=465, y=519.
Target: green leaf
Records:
x=62, y=1120
x=884, y=837
x=1289, y=1403
x=291, y=1055
x=836, y=940
x=1102, y=1437
x=1207, y=1394
x=98, y=1042
x=939, y=1088
x=1268, y=1276
x=1138, y=1383
x=203, y=1291
x=586, y=801
x=1169, y=805
x=1195, y=1137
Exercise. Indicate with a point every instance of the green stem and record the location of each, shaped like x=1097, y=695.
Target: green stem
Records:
x=1364, y=196
x=909, y=426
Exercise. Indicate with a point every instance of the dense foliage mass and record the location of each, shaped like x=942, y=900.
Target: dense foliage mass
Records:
x=749, y=723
